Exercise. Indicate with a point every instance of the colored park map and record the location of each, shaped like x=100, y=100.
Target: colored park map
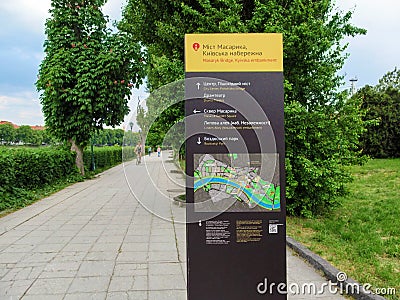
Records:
x=234, y=182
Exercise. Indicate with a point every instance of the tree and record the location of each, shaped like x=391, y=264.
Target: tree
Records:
x=7, y=133
x=87, y=74
x=382, y=102
x=48, y=138
x=318, y=142
x=26, y=135
x=109, y=137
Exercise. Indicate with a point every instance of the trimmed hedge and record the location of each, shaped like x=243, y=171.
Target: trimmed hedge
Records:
x=34, y=167
x=105, y=157
x=24, y=170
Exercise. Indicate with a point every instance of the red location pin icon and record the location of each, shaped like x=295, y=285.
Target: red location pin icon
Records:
x=196, y=46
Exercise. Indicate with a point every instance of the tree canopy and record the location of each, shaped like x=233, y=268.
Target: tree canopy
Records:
x=87, y=74
x=382, y=103
x=322, y=126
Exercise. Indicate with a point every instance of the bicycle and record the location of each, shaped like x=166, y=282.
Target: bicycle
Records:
x=138, y=158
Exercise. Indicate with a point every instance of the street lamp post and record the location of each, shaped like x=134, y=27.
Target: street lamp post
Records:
x=131, y=125
x=92, y=165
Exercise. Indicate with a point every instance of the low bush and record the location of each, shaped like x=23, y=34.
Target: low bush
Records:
x=27, y=169
x=28, y=174
x=105, y=157
x=34, y=167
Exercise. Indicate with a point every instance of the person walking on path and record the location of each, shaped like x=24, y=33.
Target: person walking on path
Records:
x=158, y=151
x=149, y=150
x=138, y=151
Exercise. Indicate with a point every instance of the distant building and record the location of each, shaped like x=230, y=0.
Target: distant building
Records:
x=35, y=127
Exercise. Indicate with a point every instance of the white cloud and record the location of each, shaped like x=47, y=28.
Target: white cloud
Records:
x=113, y=8
x=32, y=14
x=28, y=14
x=376, y=53
x=22, y=108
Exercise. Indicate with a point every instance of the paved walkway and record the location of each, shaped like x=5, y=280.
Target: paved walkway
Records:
x=93, y=240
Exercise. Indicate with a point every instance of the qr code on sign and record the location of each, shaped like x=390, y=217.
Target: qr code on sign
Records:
x=273, y=228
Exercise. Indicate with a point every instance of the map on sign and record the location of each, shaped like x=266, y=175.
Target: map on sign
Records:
x=236, y=182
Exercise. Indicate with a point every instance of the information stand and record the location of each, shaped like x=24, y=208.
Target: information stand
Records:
x=235, y=167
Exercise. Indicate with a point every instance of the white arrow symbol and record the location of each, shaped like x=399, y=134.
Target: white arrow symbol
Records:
x=198, y=85
x=198, y=141
x=196, y=111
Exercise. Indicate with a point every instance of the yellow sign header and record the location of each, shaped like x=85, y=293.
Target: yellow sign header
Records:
x=234, y=52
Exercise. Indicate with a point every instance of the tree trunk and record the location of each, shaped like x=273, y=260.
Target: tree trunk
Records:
x=79, y=157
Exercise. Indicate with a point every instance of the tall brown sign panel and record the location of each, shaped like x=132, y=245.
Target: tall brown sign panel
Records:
x=235, y=167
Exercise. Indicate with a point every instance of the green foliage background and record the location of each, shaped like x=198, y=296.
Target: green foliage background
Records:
x=382, y=103
x=25, y=171
x=322, y=127
x=87, y=74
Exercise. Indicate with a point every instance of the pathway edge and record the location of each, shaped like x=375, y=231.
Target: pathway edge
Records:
x=328, y=270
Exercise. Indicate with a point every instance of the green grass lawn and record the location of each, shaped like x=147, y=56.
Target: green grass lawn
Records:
x=362, y=237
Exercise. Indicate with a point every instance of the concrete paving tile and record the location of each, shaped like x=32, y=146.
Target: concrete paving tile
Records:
x=58, y=274
x=8, y=240
x=128, y=283
x=14, y=289
x=12, y=257
x=90, y=228
x=49, y=286
x=136, y=239
x=110, y=239
x=86, y=296
x=155, y=232
x=168, y=256
x=117, y=232
x=17, y=232
x=134, y=257
x=57, y=240
x=23, y=273
x=84, y=239
x=40, y=233
x=43, y=297
x=90, y=232
x=19, y=248
x=89, y=285
x=95, y=268
x=130, y=295
x=167, y=295
x=31, y=240
x=3, y=271
x=140, y=231
x=184, y=271
x=49, y=227
x=162, y=239
x=38, y=258
x=166, y=282
x=165, y=269
x=101, y=255
x=135, y=247
x=130, y=269
x=62, y=266
x=99, y=247
x=67, y=256
x=77, y=247
x=45, y=248
x=163, y=247
x=64, y=233
x=71, y=227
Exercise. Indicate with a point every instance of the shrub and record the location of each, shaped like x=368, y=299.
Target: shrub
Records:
x=105, y=157
x=24, y=169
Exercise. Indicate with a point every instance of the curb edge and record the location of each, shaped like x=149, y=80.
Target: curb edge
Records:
x=329, y=271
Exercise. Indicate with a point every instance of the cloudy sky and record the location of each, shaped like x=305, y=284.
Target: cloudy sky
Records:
x=21, y=51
